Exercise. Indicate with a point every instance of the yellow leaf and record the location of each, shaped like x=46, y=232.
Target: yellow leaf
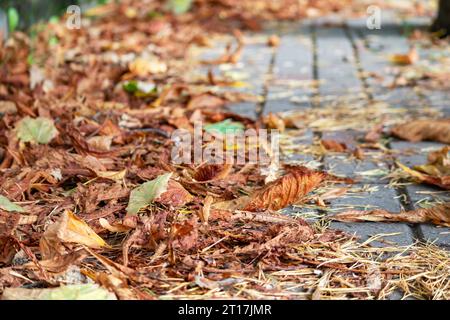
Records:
x=143, y=67
x=69, y=228
x=112, y=175
x=405, y=59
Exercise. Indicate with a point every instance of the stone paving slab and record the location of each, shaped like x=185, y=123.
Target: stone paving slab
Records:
x=420, y=195
x=252, y=70
x=361, y=171
x=372, y=169
x=378, y=197
x=293, y=68
x=336, y=69
x=413, y=154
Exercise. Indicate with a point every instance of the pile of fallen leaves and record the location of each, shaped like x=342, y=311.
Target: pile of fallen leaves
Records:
x=91, y=205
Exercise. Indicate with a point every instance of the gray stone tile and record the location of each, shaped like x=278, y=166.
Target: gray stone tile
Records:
x=292, y=74
x=383, y=198
x=438, y=235
x=419, y=193
x=422, y=194
x=336, y=64
x=414, y=153
x=362, y=171
x=374, y=52
x=246, y=109
x=396, y=233
x=366, y=197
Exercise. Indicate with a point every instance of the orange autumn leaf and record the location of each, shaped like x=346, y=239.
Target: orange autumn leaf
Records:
x=405, y=59
x=443, y=182
x=273, y=121
x=205, y=100
x=145, y=66
x=273, y=41
x=435, y=172
x=333, y=145
x=210, y=172
x=421, y=130
x=286, y=190
x=175, y=195
x=68, y=229
x=439, y=214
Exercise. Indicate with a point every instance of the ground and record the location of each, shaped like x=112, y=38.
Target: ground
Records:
x=92, y=201
x=333, y=62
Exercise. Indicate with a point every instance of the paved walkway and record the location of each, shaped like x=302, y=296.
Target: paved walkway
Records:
x=321, y=64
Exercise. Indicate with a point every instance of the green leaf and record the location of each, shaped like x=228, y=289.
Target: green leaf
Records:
x=53, y=19
x=13, y=19
x=40, y=130
x=154, y=15
x=30, y=59
x=71, y=292
x=141, y=89
x=144, y=195
x=53, y=41
x=225, y=126
x=180, y=6
x=130, y=86
x=7, y=205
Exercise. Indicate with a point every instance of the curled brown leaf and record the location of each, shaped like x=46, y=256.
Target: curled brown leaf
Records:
x=286, y=190
x=333, y=145
x=435, y=172
x=210, y=172
x=439, y=214
x=175, y=195
x=424, y=130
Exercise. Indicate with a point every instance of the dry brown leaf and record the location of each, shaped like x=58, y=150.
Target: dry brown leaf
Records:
x=102, y=143
x=406, y=59
x=209, y=172
x=443, y=182
x=421, y=130
x=374, y=134
x=358, y=153
x=286, y=190
x=436, y=172
x=232, y=205
x=116, y=284
x=438, y=163
x=144, y=66
x=6, y=218
x=205, y=100
x=109, y=128
x=273, y=121
x=184, y=234
x=206, y=209
x=112, y=175
x=333, y=145
x=440, y=157
x=68, y=229
x=113, y=228
x=273, y=41
x=8, y=107
x=439, y=214
x=175, y=195
x=334, y=193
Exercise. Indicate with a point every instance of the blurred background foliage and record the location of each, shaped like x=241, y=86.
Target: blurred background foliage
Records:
x=23, y=13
